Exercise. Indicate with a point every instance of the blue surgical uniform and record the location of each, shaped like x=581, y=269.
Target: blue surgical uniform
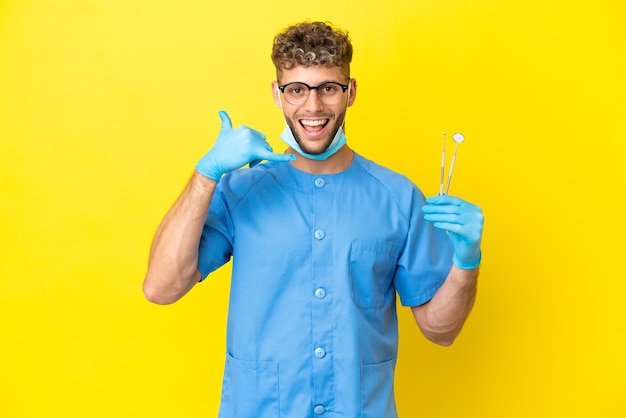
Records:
x=317, y=261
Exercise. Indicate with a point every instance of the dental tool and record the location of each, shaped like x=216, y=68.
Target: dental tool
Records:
x=458, y=138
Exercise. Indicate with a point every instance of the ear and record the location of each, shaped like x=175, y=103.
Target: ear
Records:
x=276, y=94
x=352, y=92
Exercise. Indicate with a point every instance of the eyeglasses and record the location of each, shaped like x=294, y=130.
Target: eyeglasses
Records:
x=329, y=93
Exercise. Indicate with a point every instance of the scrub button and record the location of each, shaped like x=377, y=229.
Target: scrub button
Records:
x=320, y=293
x=320, y=352
x=319, y=234
x=320, y=182
x=319, y=409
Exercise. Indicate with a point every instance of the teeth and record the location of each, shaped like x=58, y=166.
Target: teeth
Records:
x=316, y=122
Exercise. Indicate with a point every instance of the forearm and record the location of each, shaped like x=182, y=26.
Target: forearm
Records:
x=442, y=318
x=172, y=265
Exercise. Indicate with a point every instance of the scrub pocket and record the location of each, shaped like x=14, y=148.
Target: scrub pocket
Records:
x=372, y=267
x=377, y=399
x=249, y=389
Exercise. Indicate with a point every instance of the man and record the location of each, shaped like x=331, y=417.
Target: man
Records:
x=321, y=240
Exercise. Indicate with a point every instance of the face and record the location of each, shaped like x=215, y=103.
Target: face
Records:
x=313, y=123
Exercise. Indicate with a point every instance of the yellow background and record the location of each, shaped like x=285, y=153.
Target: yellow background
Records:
x=106, y=105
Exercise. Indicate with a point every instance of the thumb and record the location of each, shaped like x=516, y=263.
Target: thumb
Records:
x=227, y=125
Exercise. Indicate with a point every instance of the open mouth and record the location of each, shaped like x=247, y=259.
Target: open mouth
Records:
x=313, y=127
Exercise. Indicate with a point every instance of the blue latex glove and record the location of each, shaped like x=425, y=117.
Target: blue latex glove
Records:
x=464, y=223
x=235, y=148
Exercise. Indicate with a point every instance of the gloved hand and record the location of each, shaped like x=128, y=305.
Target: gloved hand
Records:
x=464, y=223
x=235, y=148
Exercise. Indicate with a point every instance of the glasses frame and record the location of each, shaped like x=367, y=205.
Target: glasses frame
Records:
x=282, y=87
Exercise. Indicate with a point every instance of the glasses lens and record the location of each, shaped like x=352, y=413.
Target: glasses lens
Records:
x=296, y=93
x=330, y=93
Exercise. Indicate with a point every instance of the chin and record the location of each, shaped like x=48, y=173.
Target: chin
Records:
x=314, y=150
x=317, y=146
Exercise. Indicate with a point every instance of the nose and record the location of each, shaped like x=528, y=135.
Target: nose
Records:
x=313, y=102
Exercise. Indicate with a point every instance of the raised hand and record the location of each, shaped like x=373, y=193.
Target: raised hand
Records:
x=235, y=148
x=464, y=223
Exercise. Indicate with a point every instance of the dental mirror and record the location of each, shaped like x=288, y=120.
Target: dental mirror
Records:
x=458, y=138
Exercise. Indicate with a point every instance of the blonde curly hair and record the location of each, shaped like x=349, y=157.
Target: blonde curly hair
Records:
x=312, y=43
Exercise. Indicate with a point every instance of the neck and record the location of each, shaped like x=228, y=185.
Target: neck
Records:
x=336, y=163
